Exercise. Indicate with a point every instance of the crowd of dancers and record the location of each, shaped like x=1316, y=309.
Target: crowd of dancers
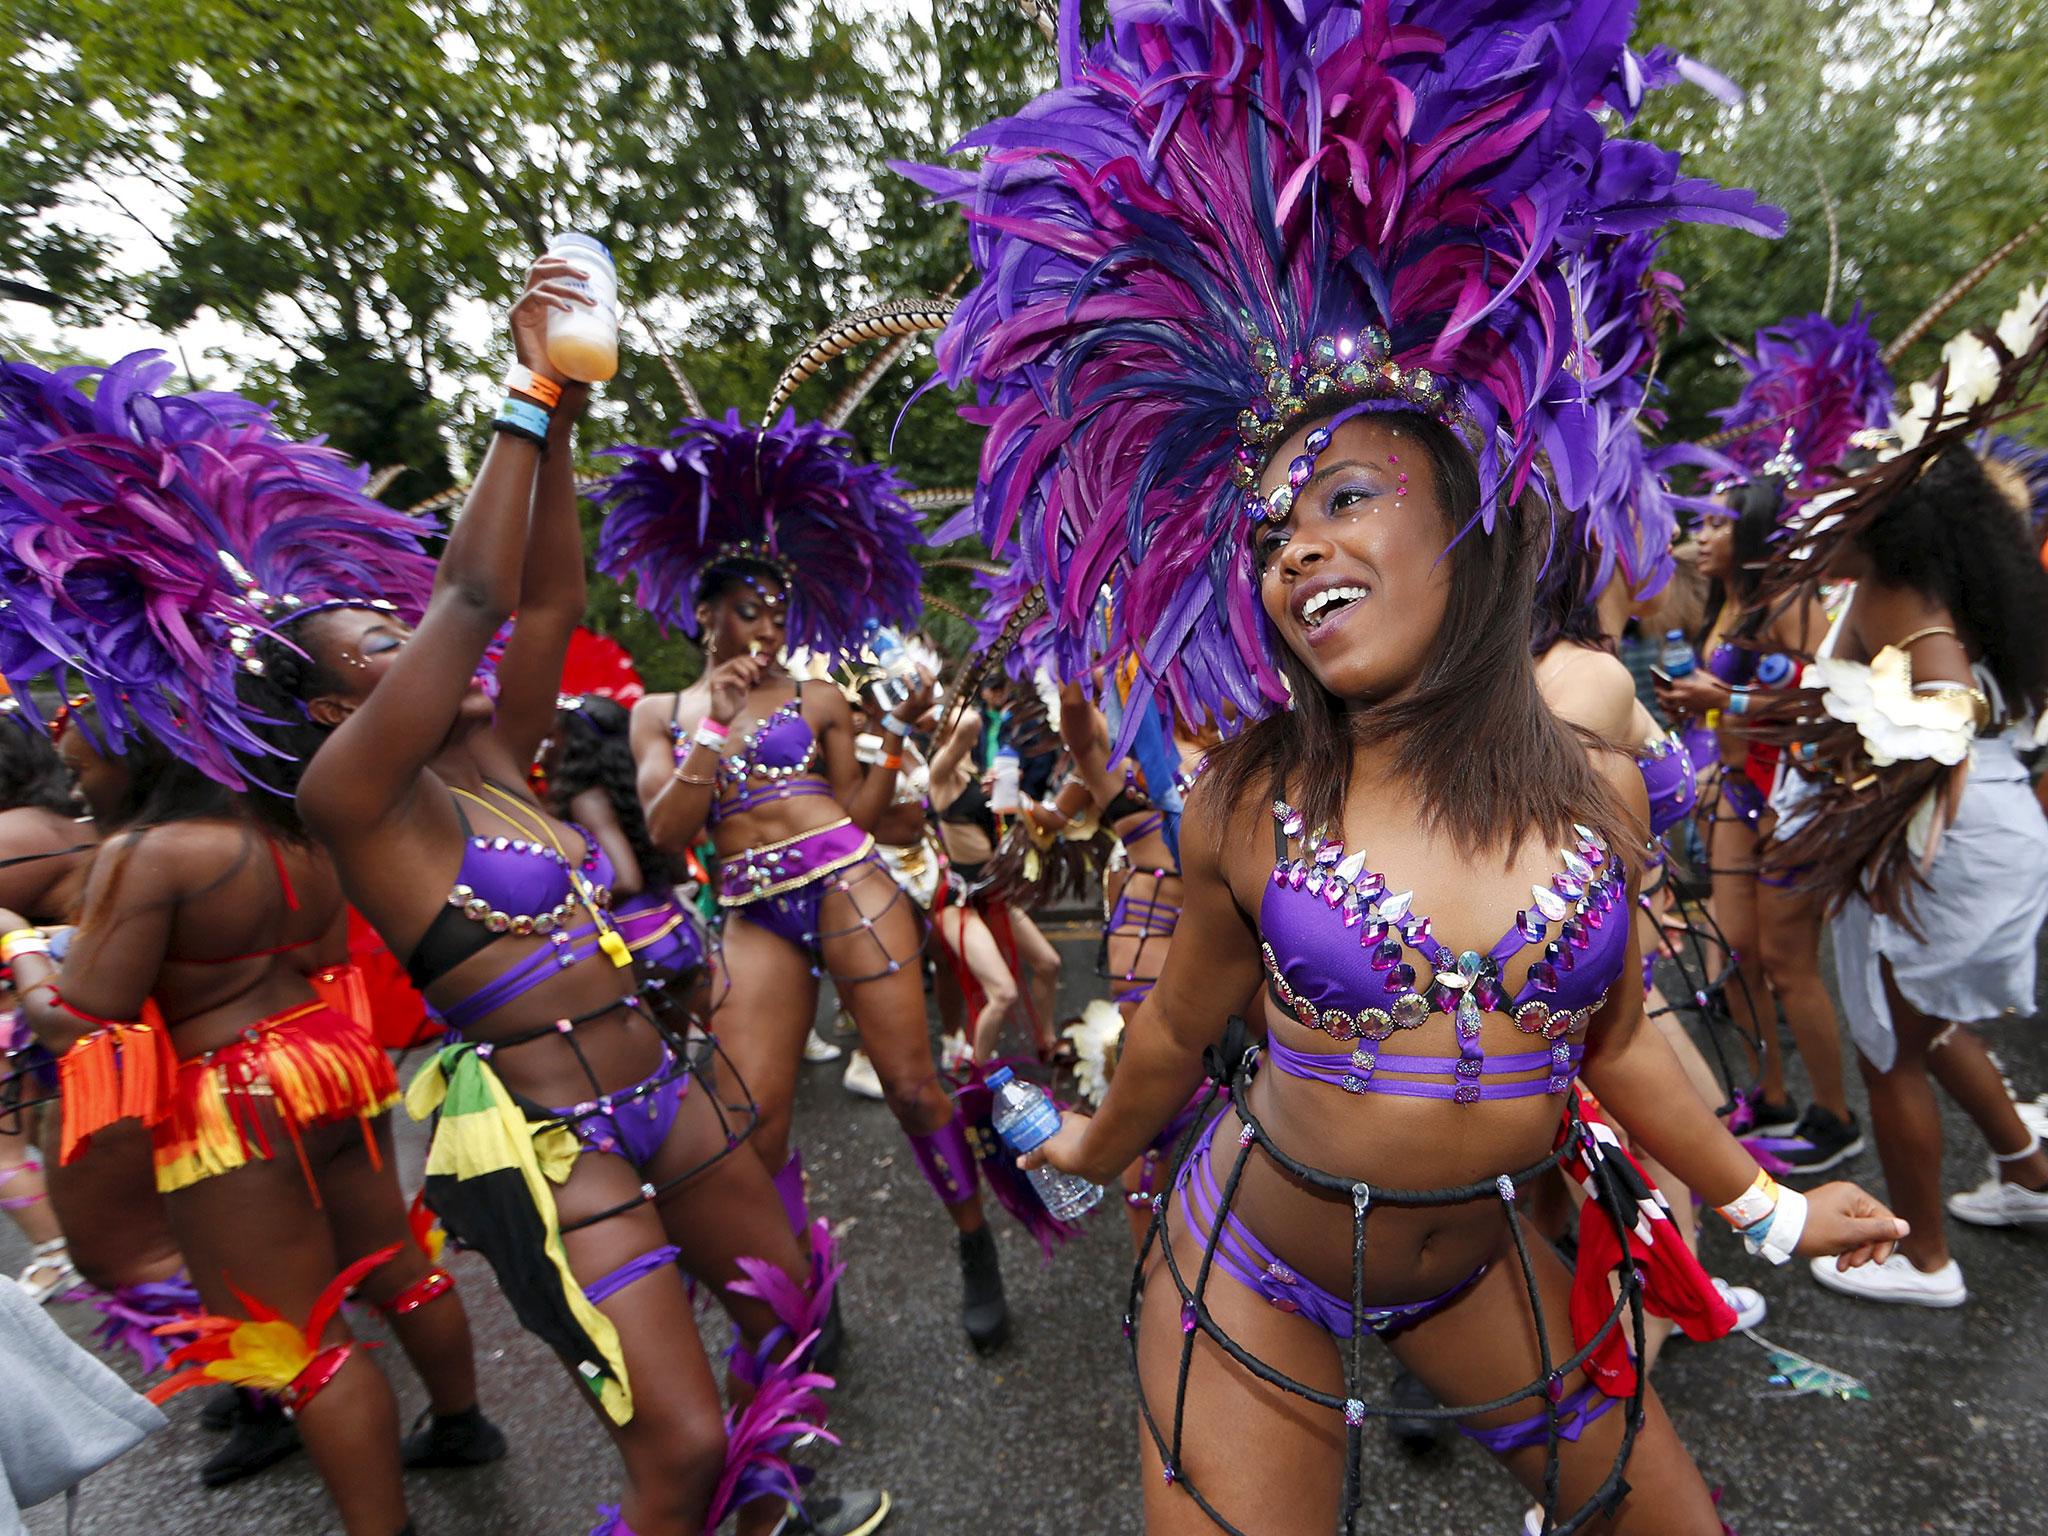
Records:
x=1338, y=627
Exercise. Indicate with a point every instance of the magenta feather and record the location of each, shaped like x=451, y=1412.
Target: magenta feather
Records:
x=1212, y=169
x=787, y=1401
x=839, y=527
x=115, y=509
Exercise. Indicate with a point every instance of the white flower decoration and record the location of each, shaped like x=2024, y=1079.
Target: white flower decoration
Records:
x=1972, y=373
x=2018, y=326
x=1897, y=724
x=1096, y=1037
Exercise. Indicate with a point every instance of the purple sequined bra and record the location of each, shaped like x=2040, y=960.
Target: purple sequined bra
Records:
x=781, y=751
x=1335, y=949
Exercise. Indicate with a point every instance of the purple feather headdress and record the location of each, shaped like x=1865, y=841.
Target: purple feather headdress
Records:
x=1812, y=386
x=147, y=539
x=1629, y=515
x=790, y=496
x=1232, y=214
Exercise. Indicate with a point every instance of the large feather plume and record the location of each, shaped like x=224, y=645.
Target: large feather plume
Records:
x=1628, y=516
x=116, y=507
x=838, y=528
x=1812, y=385
x=1217, y=173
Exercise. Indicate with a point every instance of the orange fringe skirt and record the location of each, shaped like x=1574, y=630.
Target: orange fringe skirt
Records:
x=313, y=1065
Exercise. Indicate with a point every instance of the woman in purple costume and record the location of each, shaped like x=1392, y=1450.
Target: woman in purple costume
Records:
x=1293, y=427
x=753, y=539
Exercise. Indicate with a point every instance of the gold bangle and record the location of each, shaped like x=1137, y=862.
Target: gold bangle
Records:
x=692, y=780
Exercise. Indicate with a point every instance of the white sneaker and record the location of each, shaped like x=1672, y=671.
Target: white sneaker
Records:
x=1749, y=1305
x=1995, y=1203
x=955, y=1052
x=2034, y=1115
x=818, y=1048
x=1532, y=1522
x=861, y=1080
x=1896, y=1280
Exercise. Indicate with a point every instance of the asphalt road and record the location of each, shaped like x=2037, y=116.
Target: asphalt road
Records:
x=1040, y=1439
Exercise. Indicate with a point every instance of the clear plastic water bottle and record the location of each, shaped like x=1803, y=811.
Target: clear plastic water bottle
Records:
x=1677, y=658
x=1024, y=1118
x=893, y=661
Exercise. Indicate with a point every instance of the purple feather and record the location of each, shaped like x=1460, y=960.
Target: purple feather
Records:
x=1212, y=171
x=115, y=510
x=1001, y=596
x=838, y=526
x=131, y=1314
x=1817, y=381
x=788, y=1396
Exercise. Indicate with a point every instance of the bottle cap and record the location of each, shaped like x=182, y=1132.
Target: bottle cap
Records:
x=576, y=240
x=1674, y=634
x=1000, y=1076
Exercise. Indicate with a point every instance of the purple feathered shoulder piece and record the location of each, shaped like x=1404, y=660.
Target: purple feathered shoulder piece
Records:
x=790, y=495
x=1235, y=214
x=146, y=538
x=1812, y=385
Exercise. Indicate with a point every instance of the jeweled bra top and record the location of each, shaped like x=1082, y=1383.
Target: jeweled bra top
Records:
x=781, y=751
x=1335, y=941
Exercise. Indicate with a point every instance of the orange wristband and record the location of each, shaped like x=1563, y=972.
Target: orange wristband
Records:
x=522, y=380
x=893, y=761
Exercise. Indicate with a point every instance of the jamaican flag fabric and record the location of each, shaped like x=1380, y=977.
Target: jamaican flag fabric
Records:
x=490, y=1178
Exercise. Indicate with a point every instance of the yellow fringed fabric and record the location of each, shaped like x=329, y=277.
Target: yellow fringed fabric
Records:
x=313, y=1065
x=118, y=1072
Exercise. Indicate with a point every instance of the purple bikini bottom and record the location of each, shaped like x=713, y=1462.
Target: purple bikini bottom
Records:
x=1240, y=1255
x=632, y=1122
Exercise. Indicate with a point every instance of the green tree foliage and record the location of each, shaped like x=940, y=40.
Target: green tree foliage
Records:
x=361, y=181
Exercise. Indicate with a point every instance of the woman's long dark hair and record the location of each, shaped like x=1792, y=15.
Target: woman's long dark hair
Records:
x=1756, y=504
x=1489, y=762
x=594, y=751
x=1951, y=536
x=275, y=703
x=32, y=775
x=1566, y=604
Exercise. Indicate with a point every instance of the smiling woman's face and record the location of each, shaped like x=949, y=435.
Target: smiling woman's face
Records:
x=1352, y=579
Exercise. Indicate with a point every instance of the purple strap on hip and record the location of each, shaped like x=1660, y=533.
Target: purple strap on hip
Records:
x=605, y=1286
x=1355, y=1073
x=1573, y=1414
x=610, y=1522
x=947, y=1161
x=789, y=1183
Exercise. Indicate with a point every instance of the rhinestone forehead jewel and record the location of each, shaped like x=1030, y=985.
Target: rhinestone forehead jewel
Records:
x=1334, y=369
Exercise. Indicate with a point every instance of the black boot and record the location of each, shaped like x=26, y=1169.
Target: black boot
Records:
x=982, y=1307
x=222, y=1409
x=262, y=1436
x=831, y=1337
x=465, y=1439
x=1415, y=1431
